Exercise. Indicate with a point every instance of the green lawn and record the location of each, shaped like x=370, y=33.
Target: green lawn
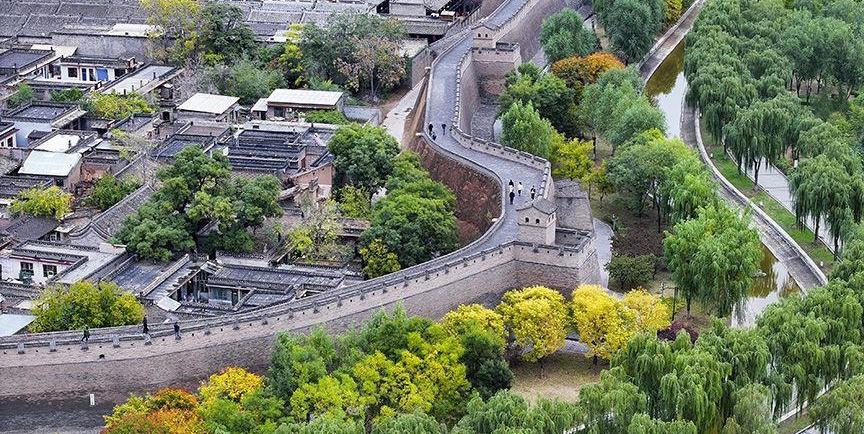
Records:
x=803, y=236
x=795, y=424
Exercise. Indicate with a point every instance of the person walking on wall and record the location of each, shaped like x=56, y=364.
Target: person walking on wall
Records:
x=511, y=185
x=519, y=188
x=512, y=195
x=86, y=335
x=430, y=128
x=533, y=192
x=176, y=330
x=444, y=128
x=145, y=328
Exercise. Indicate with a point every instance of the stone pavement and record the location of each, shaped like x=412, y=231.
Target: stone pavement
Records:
x=394, y=121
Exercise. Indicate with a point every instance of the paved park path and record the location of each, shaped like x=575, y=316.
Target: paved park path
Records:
x=775, y=183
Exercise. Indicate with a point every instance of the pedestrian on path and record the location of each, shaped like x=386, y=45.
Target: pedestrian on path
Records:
x=510, y=189
x=176, y=330
x=86, y=336
x=511, y=185
x=519, y=188
x=434, y=137
x=533, y=192
x=512, y=195
x=444, y=128
x=430, y=128
x=145, y=329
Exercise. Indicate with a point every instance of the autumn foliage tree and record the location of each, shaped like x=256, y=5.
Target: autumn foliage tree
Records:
x=605, y=324
x=579, y=72
x=537, y=319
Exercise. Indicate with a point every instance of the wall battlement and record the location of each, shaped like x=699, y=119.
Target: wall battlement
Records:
x=120, y=360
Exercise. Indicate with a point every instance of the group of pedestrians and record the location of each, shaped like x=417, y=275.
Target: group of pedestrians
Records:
x=145, y=329
x=432, y=130
x=518, y=191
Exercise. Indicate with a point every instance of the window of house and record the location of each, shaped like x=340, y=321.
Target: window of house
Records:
x=49, y=270
x=26, y=269
x=73, y=72
x=279, y=112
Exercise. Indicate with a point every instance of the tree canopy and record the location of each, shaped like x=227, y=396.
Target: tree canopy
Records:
x=198, y=189
x=85, y=304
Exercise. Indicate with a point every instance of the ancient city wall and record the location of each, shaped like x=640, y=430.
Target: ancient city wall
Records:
x=111, y=369
x=120, y=360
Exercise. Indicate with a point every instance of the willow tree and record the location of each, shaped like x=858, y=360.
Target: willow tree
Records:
x=762, y=132
x=713, y=258
x=842, y=409
x=821, y=188
x=813, y=341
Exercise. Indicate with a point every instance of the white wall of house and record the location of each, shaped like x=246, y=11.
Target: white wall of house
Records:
x=11, y=267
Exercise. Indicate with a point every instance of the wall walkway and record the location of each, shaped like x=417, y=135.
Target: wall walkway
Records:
x=121, y=360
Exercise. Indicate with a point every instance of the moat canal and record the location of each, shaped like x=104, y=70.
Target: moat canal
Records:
x=667, y=87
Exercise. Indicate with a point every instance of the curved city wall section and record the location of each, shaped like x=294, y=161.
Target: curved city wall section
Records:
x=507, y=255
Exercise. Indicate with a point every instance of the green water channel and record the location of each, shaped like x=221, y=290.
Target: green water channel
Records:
x=667, y=87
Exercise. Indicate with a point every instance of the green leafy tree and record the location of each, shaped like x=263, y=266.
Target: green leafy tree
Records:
x=48, y=202
x=630, y=29
x=611, y=396
x=408, y=423
x=509, y=412
x=85, y=304
x=713, y=258
x=68, y=95
x=821, y=188
x=176, y=28
x=316, y=237
x=363, y=156
x=571, y=159
x=354, y=49
x=416, y=219
x=198, y=189
x=631, y=271
x=245, y=80
x=643, y=424
x=224, y=34
x=332, y=117
x=526, y=131
x=841, y=410
x=547, y=93
x=564, y=35
x=23, y=95
x=413, y=227
x=298, y=360
x=751, y=412
x=354, y=202
x=115, y=106
x=378, y=261
x=108, y=190
x=483, y=357
x=291, y=59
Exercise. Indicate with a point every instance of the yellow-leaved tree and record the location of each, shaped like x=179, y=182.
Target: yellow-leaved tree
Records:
x=605, y=324
x=456, y=322
x=650, y=313
x=232, y=384
x=537, y=318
